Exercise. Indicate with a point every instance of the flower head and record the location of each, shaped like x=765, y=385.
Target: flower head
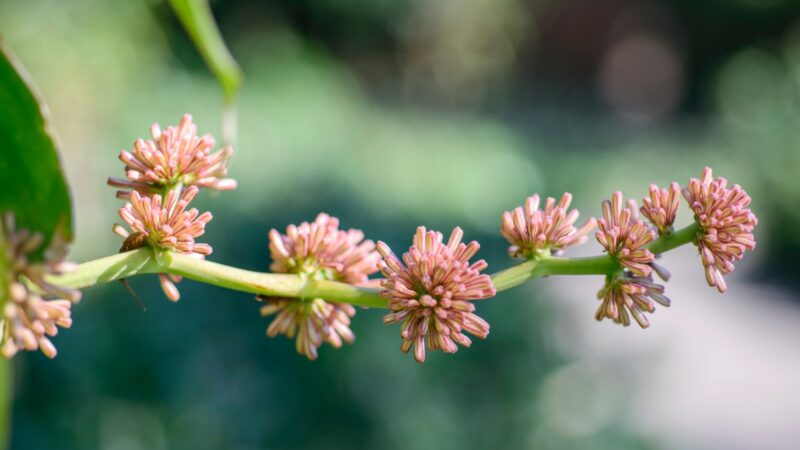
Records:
x=31, y=318
x=167, y=225
x=625, y=296
x=661, y=207
x=310, y=322
x=322, y=250
x=531, y=230
x=431, y=292
x=175, y=156
x=726, y=224
x=318, y=250
x=624, y=236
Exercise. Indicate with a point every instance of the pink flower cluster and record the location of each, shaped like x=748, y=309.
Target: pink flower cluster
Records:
x=726, y=224
x=31, y=317
x=625, y=237
x=532, y=231
x=167, y=224
x=432, y=288
x=176, y=162
x=661, y=207
x=630, y=292
x=176, y=156
x=725, y=231
x=628, y=295
x=319, y=250
x=321, y=247
x=431, y=292
x=310, y=322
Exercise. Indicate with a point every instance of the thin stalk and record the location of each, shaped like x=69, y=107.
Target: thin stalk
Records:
x=276, y=285
x=515, y=275
x=534, y=268
x=109, y=268
x=676, y=239
x=596, y=265
x=146, y=261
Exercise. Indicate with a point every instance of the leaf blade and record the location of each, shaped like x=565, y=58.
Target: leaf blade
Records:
x=34, y=187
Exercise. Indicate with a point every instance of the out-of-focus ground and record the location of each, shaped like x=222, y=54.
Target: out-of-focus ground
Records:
x=395, y=114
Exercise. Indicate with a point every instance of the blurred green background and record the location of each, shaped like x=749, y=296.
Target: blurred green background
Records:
x=391, y=114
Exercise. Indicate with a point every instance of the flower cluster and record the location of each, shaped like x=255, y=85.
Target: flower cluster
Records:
x=725, y=231
x=321, y=248
x=166, y=224
x=726, y=224
x=631, y=291
x=625, y=237
x=532, y=231
x=318, y=250
x=661, y=207
x=431, y=292
x=32, y=311
x=176, y=156
x=310, y=322
x=625, y=296
x=164, y=175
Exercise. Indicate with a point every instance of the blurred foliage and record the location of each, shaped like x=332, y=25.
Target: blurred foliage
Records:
x=389, y=115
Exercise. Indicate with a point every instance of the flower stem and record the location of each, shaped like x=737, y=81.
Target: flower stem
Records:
x=146, y=261
x=110, y=268
x=271, y=284
x=528, y=270
x=596, y=265
x=676, y=239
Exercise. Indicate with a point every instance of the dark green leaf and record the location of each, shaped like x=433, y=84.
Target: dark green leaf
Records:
x=33, y=185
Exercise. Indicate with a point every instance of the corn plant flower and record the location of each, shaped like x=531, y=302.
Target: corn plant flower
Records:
x=431, y=292
x=34, y=308
x=726, y=225
x=661, y=207
x=165, y=224
x=318, y=250
x=531, y=230
x=175, y=156
x=625, y=237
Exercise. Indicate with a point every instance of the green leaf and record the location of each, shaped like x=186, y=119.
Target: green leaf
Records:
x=195, y=15
x=33, y=186
x=33, y=183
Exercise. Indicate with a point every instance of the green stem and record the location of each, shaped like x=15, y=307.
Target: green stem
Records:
x=528, y=270
x=596, y=265
x=515, y=275
x=144, y=261
x=676, y=239
x=276, y=285
x=110, y=268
